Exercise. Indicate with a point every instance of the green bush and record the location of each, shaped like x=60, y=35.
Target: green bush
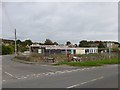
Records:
x=7, y=50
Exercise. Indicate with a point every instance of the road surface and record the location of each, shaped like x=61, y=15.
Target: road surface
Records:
x=19, y=75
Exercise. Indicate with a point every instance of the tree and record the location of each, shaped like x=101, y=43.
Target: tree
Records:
x=4, y=50
x=119, y=46
x=76, y=45
x=83, y=43
x=55, y=43
x=68, y=43
x=48, y=42
x=23, y=45
x=7, y=50
x=101, y=45
x=28, y=42
x=22, y=49
x=19, y=42
x=10, y=49
x=0, y=49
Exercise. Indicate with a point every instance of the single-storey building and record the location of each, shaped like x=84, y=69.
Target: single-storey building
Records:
x=61, y=49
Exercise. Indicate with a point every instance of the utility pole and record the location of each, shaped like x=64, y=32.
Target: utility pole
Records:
x=15, y=44
x=110, y=45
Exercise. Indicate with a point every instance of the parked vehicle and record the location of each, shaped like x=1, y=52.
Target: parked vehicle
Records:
x=75, y=58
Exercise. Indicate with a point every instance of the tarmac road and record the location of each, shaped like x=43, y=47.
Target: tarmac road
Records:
x=19, y=75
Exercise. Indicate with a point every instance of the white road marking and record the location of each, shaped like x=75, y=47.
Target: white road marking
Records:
x=19, y=78
x=47, y=74
x=82, y=69
x=93, y=67
x=88, y=68
x=79, y=69
x=86, y=82
x=24, y=77
x=43, y=73
x=50, y=73
x=69, y=71
x=4, y=80
x=39, y=74
x=16, y=77
x=75, y=70
x=33, y=74
x=59, y=71
x=62, y=72
x=66, y=70
x=27, y=75
x=9, y=74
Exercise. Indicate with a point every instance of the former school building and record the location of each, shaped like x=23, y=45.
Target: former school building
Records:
x=61, y=49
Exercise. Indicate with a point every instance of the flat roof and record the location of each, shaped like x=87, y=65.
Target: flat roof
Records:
x=61, y=47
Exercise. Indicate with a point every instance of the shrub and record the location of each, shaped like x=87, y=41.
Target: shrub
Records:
x=7, y=50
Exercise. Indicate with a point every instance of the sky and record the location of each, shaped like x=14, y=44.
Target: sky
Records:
x=60, y=21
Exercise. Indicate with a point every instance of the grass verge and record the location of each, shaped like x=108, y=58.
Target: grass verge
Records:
x=90, y=63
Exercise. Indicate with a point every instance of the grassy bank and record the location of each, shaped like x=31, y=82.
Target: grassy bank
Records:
x=90, y=63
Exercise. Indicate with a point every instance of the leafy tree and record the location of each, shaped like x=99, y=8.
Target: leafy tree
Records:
x=7, y=50
x=76, y=45
x=101, y=45
x=91, y=42
x=48, y=42
x=18, y=42
x=68, y=43
x=23, y=49
x=119, y=45
x=22, y=46
x=55, y=43
x=10, y=49
x=28, y=42
x=0, y=49
x=83, y=43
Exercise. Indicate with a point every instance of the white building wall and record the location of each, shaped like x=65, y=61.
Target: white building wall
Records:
x=90, y=50
x=80, y=51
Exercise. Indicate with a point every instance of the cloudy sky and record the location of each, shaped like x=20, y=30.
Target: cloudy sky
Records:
x=60, y=21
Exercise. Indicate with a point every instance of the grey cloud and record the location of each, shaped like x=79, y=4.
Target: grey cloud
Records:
x=0, y=19
x=62, y=21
